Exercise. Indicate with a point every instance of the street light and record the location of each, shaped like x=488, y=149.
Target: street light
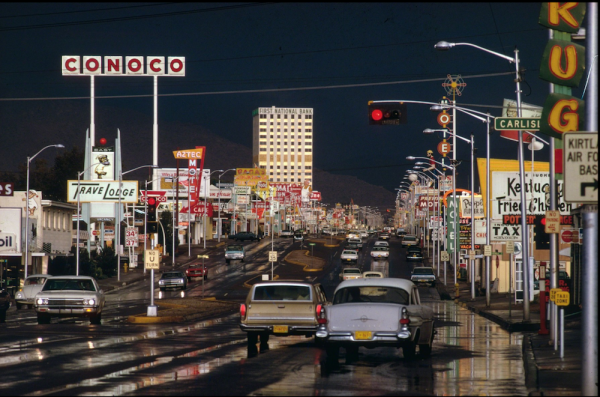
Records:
x=29, y=159
x=444, y=46
x=121, y=173
x=219, y=226
x=206, y=193
x=79, y=215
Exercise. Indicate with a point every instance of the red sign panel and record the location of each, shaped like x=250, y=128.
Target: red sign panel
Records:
x=315, y=195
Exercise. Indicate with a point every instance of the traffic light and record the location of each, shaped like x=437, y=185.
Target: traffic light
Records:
x=540, y=237
x=387, y=113
x=151, y=224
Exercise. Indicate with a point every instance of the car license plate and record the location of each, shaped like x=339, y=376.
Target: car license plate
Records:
x=280, y=329
x=362, y=335
x=348, y=259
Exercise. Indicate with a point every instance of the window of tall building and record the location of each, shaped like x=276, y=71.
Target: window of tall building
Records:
x=308, y=130
x=285, y=117
x=263, y=137
x=263, y=123
x=308, y=173
x=307, y=150
x=308, y=136
x=308, y=116
x=308, y=167
x=263, y=149
x=263, y=130
x=308, y=123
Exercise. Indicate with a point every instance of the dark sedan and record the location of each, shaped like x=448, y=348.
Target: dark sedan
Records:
x=243, y=236
x=172, y=279
x=414, y=253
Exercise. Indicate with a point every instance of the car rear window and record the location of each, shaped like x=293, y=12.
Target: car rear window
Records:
x=351, y=271
x=408, y=238
x=282, y=293
x=371, y=294
x=235, y=248
x=69, y=284
x=349, y=252
x=416, y=270
x=35, y=281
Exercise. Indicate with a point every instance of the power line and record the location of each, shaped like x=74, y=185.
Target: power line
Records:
x=81, y=11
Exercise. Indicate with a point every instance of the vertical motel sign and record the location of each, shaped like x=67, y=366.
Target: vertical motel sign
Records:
x=563, y=64
x=451, y=218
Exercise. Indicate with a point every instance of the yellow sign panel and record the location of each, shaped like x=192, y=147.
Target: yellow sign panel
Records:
x=553, y=292
x=152, y=259
x=552, y=222
x=189, y=154
x=250, y=176
x=562, y=298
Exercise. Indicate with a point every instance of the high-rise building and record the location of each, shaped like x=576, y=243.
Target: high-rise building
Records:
x=282, y=143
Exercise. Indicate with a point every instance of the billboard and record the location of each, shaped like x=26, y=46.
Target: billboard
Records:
x=250, y=176
x=11, y=230
x=103, y=161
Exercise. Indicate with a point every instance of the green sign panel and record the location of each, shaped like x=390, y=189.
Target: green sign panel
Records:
x=516, y=123
x=451, y=220
x=311, y=243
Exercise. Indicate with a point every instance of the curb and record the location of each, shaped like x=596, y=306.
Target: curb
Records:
x=293, y=262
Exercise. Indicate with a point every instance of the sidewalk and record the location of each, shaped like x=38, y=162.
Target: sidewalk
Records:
x=546, y=373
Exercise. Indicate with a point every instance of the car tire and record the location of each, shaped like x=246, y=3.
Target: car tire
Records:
x=252, y=338
x=189, y=279
x=425, y=350
x=409, y=351
x=96, y=320
x=264, y=338
x=351, y=353
x=205, y=278
x=43, y=318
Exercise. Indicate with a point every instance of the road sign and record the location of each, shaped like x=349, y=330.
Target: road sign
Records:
x=444, y=256
x=580, y=167
x=311, y=243
x=272, y=256
x=131, y=237
x=553, y=292
x=516, y=123
x=510, y=247
x=552, y=222
x=569, y=236
x=152, y=260
x=562, y=298
x=487, y=250
x=472, y=254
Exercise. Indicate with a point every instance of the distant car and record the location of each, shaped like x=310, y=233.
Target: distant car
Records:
x=372, y=274
x=172, y=279
x=286, y=233
x=423, y=275
x=380, y=252
x=350, y=273
x=235, y=252
x=32, y=285
x=245, y=236
x=414, y=253
x=356, y=241
x=409, y=240
x=70, y=296
x=298, y=235
x=363, y=234
x=327, y=232
x=400, y=232
x=375, y=312
x=196, y=270
x=352, y=234
x=349, y=256
x=353, y=246
x=381, y=243
x=384, y=236
x=5, y=302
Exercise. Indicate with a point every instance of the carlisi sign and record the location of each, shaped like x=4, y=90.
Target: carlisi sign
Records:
x=506, y=190
x=116, y=66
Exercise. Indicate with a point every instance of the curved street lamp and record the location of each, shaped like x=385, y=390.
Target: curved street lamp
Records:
x=29, y=159
x=79, y=215
x=219, y=226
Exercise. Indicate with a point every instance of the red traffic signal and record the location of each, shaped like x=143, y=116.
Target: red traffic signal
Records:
x=152, y=203
x=387, y=113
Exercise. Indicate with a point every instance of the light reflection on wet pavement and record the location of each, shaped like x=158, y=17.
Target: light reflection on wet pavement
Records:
x=471, y=356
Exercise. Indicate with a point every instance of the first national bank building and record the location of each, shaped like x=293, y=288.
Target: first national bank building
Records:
x=282, y=143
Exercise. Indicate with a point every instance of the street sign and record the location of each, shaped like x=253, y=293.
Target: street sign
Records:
x=272, y=256
x=562, y=298
x=510, y=247
x=516, y=123
x=444, y=256
x=131, y=237
x=311, y=243
x=552, y=222
x=152, y=260
x=472, y=254
x=553, y=292
x=580, y=167
x=487, y=250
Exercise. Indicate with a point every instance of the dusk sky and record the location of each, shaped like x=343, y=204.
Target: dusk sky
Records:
x=332, y=57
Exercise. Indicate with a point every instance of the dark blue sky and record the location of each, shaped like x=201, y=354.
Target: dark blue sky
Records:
x=289, y=45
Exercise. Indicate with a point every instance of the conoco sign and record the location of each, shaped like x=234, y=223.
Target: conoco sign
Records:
x=122, y=66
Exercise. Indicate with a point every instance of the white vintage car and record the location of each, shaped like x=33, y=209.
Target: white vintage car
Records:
x=70, y=296
x=374, y=312
x=349, y=256
x=380, y=252
x=32, y=285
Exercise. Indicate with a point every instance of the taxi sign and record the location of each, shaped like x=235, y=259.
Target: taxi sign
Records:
x=553, y=292
x=152, y=259
x=562, y=298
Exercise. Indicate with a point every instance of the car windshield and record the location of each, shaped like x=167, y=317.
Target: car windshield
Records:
x=235, y=248
x=380, y=248
x=282, y=293
x=172, y=275
x=371, y=294
x=35, y=281
x=69, y=284
x=351, y=271
x=349, y=252
x=423, y=271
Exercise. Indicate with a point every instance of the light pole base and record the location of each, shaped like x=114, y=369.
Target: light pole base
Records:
x=152, y=311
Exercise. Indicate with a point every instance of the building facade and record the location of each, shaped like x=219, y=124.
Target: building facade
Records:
x=282, y=143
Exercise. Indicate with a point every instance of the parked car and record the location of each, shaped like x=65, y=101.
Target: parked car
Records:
x=349, y=256
x=281, y=308
x=235, y=252
x=372, y=274
x=32, y=285
x=5, y=302
x=70, y=296
x=172, y=279
x=244, y=236
x=409, y=240
x=413, y=253
x=380, y=252
x=381, y=243
x=286, y=233
x=400, y=232
x=356, y=241
x=423, y=275
x=196, y=270
x=374, y=312
x=350, y=273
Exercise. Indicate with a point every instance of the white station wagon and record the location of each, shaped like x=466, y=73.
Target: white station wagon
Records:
x=374, y=312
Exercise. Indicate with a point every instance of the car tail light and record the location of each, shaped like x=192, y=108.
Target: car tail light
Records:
x=243, y=310
x=321, y=317
x=404, y=320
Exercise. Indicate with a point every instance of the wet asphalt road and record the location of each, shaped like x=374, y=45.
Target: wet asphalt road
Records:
x=471, y=355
